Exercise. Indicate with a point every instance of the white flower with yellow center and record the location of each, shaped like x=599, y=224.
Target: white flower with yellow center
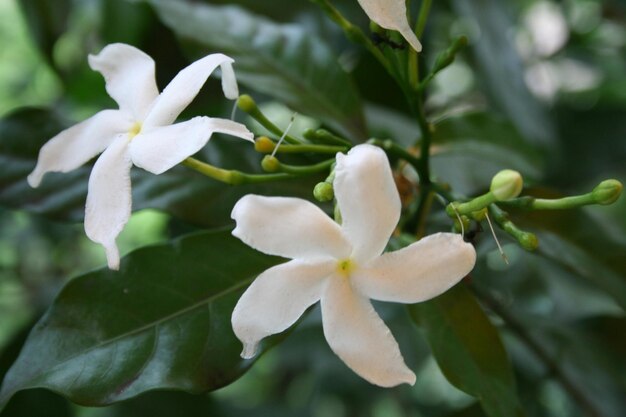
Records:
x=391, y=14
x=343, y=266
x=140, y=133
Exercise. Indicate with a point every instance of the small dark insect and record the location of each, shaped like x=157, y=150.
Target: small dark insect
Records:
x=382, y=40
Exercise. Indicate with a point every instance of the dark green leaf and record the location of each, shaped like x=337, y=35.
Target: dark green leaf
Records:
x=161, y=322
x=579, y=243
x=181, y=192
x=47, y=21
x=286, y=62
x=469, y=351
x=502, y=69
x=472, y=147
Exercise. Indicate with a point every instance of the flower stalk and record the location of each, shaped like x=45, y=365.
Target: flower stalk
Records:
x=248, y=105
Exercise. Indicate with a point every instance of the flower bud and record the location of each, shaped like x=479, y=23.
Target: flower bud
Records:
x=461, y=226
x=270, y=163
x=506, y=184
x=528, y=241
x=247, y=104
x=607, y=192
x=324, y=192
x=263, y=144
x=479, y=215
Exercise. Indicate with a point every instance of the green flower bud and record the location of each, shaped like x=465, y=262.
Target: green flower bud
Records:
x=270, y=164
x=479, y=215
x=506, y=185
x=464, y=227
x=528, y=241
x=324, y=192
x=607, y=192
x=247, y=104
x=263, y=144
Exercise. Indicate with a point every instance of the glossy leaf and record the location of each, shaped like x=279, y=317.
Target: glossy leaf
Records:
x=579, y=243
x=286, y=62
x=469, y=351
x=161, y=322
x=502, y=69
x=470, y=148
x=181, y=192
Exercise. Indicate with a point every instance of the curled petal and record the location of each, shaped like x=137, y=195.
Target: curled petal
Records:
x=276, y=299
x=109, y=198
x=129, y=76
x=368, y=200
x=161, y=148
x=77, y=145
x=391, y=14
x=186, y=85
x=418, y=272
x=357, y=334
x=288, y=227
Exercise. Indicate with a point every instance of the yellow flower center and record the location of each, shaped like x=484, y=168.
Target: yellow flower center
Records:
x=134, y=131
x=345, y=267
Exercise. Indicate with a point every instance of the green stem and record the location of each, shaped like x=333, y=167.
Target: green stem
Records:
x=422, y=18
x=532, y=203
x=232, y=177
x=354, y=34
x=306, y=170
x=326, y=137
x=311, y=148
x=248, y=105
x=527, y=240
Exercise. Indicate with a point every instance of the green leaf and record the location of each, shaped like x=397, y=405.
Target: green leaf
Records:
x=47, y=21
x=180, y=191
x=161, y=322
x=469, y=351
x=576, y=241
x=502, y=69
x=286, y=62
x=470, y=148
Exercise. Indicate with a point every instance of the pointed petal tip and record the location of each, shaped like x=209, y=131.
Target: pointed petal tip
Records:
x=34, y=179
x=249, y=350
x=113, y=257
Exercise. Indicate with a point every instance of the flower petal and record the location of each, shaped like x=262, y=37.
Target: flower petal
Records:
x=109, y=198
x=357, y=334
x=368, y=200
x=186, y=85
x=161, y=148
x=288, y=227
x=129, y=76
x=77, y=145
x=276, y=299
x=418, y=272
x=391, y=14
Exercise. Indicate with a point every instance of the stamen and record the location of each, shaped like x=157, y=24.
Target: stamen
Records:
x=493, y=232
x=282, y=138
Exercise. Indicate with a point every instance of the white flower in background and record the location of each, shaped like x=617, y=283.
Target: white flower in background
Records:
x=391, y=14
x=140, y=133
x=343, y=266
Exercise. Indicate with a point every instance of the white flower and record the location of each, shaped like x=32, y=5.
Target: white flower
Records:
x=391, y=14
x=343, y=266
x=140, y=133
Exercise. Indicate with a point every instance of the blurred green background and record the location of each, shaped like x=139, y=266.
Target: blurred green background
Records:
x=542, y=88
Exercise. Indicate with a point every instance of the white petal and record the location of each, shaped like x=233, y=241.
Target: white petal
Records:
x=368, y=200
x=186, y=85
x=391, y=14
x=288, y=227
x=161, y=148
x=109, y=198
x=129, y=76
x=357, y=334
x=418, y=272
x=75, y=146
x=276, y=299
